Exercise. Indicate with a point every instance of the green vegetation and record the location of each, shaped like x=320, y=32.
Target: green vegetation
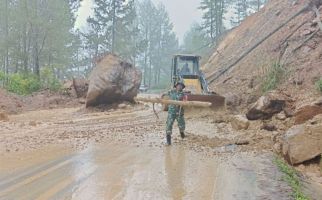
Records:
x=24, y=84
x=38, y=35
x=274, y=77
x=321, y=163
x=319, y=84
x=292, y=178
x=21, y=84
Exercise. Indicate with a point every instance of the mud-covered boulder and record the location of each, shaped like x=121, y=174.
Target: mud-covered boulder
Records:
x=303, y=142
x=112, y=80
x=81, y=87
x=266, y=106
x=306, y=113
x=239, y=122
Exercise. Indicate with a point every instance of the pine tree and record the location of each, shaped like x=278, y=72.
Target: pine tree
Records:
x=213, y=16
x=112, y=26
x=196, y=41
x=159, y=41
x=39, y=35
x=244, y=8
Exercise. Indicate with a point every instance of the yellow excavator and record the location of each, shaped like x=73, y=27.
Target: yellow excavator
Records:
x=186, y=68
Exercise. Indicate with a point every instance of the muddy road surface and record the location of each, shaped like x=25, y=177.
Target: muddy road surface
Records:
x=121, y=154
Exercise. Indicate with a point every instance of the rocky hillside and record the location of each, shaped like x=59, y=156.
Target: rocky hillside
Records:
x=289, y=61
x=269, y=69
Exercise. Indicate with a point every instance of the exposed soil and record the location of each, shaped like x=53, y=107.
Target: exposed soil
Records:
x=302, y=64
x=10, y=103
x=297, y=48
x=14, y=104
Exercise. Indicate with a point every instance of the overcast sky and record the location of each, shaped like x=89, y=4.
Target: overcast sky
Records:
x=183, y=13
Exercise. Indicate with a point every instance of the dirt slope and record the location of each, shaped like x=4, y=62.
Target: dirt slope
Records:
x=303, y=66
x=12, y=104
x=9, y=102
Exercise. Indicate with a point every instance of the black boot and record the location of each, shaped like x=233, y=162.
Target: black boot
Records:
x=182, y=135
x=168, y=139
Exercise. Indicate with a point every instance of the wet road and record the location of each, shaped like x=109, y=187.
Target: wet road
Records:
x=120, y=154
x=115, y=173
x=126, y=172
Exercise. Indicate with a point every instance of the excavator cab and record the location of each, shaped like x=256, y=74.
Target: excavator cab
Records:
x=186, y=69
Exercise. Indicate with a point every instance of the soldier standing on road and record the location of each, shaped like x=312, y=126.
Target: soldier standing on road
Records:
x=176, y=112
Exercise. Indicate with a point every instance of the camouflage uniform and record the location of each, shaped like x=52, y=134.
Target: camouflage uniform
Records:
x=175, y=112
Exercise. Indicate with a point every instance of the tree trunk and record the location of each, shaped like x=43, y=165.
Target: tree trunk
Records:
x=6, y=66
x=36, y=57
x=25, y=38
x=113, y=26
x=173, y=102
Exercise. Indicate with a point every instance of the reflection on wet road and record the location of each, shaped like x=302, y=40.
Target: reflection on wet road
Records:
x=125, y=172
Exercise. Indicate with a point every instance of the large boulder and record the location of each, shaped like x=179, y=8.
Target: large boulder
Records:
x=266, y=106
x=112, y=80
x=303, y=142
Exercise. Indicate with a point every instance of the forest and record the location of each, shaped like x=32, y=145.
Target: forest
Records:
x=40, y=46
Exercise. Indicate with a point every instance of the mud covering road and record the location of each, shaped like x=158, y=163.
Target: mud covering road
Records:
x=120, y=154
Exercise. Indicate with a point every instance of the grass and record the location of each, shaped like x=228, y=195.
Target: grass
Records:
x=292, y=178
x=273, y=77
x=321, y=164
x=319, y=84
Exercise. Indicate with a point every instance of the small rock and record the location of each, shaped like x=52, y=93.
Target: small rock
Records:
x=239, y=122
x=318, y=102
x=306, y=32
x=122, y=105
x=301, y=167
x=289, y=112
x=32, y=123
x=4, y=116
x=82, y=101
x=232, y=100
x=277, y=147
x=298, y=80
x=269, y=127
x=242, y=142
x=281, y=116
x=251, y=99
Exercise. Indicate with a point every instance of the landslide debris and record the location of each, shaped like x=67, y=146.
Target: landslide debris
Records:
x=112, y=80
x=295, y=49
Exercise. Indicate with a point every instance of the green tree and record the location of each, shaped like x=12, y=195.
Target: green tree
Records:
x=35, y=35
x=244, y=8
x=213, y=17
x=159, y=42
x=196, y=41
